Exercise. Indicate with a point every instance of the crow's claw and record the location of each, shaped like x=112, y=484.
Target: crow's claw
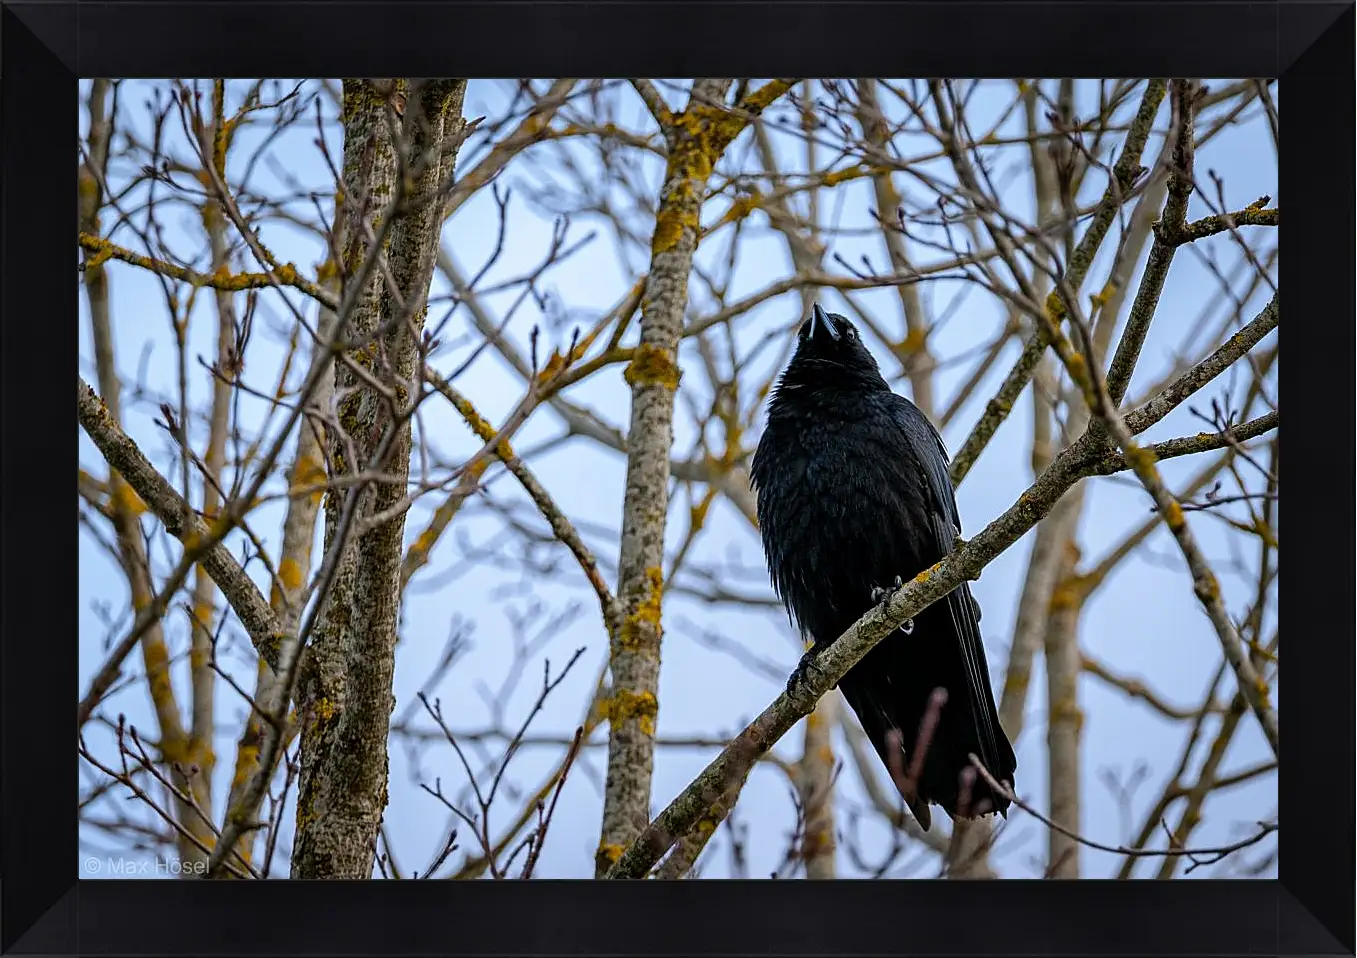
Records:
x=802, y=673
x=880, y=595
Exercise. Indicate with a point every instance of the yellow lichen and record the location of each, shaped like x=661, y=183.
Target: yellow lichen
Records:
x=328, y=270
x=219, y=525
x=421, y=546
x=359, y=95
x=1055, y=309
x=211, y=216
x=1140, y=459
x=555, y=363
x=290, y=574
x=199, y=653
x=126, y=500
x=669, y=226
x=1265, y=532
x=173, y=749
x=624, y=705
x=1078, y=369
x=1067, y=710
x=650, y=605
x=1015, y=683
x=246, y=761
x=651, y=365
x=697, y=515
x=762, y=98
x=479, y=425
x=913, y=342
x=742, y=206
x=156, y=660
x=87, y=186
x=1064, y=596
x=644, y=621
x=309, y=473
x=841, y=176
x=1173, y=515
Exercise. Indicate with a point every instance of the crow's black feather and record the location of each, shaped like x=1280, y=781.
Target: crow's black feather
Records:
x=853, y=493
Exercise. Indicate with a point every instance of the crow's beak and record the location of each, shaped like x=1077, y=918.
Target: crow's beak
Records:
x=819, y=319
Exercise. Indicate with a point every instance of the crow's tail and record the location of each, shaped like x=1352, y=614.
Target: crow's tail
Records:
x=893, y=691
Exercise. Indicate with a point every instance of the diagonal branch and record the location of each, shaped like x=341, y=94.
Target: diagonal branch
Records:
x=653, y=101
x=1117, y=192
x=1089, y=378
x=180, y=521
x=560, y=524
x=727, y=770
x=1087, y=456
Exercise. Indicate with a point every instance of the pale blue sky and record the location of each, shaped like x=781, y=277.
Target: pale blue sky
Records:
x=1146, y=622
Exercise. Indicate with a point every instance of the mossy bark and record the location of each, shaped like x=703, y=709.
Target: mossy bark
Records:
x=697, y=138
x=346, y=701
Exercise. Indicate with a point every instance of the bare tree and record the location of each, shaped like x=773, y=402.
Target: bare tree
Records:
x=1056, y=271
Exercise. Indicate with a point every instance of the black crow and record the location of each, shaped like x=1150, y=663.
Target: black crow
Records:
x=854, y=495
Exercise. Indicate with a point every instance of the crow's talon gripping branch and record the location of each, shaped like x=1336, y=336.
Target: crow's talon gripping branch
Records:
x=802, y=673
x=881, y=596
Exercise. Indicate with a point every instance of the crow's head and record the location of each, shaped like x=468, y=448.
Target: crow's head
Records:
x=830, y=343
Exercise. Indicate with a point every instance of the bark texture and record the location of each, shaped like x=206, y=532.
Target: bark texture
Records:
x=696, y=139
x=346, y=699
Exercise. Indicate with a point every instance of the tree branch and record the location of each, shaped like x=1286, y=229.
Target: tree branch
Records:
x=179, y=520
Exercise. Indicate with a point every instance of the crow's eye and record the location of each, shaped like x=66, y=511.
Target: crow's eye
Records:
x=852, y=332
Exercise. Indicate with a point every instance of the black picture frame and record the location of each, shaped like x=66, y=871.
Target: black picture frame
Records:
x=46, y=46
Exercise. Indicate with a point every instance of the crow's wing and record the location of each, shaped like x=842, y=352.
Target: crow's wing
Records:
x=930, y=453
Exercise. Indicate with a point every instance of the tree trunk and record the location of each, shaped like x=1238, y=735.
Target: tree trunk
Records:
x=346, y=699
x=697, y=138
